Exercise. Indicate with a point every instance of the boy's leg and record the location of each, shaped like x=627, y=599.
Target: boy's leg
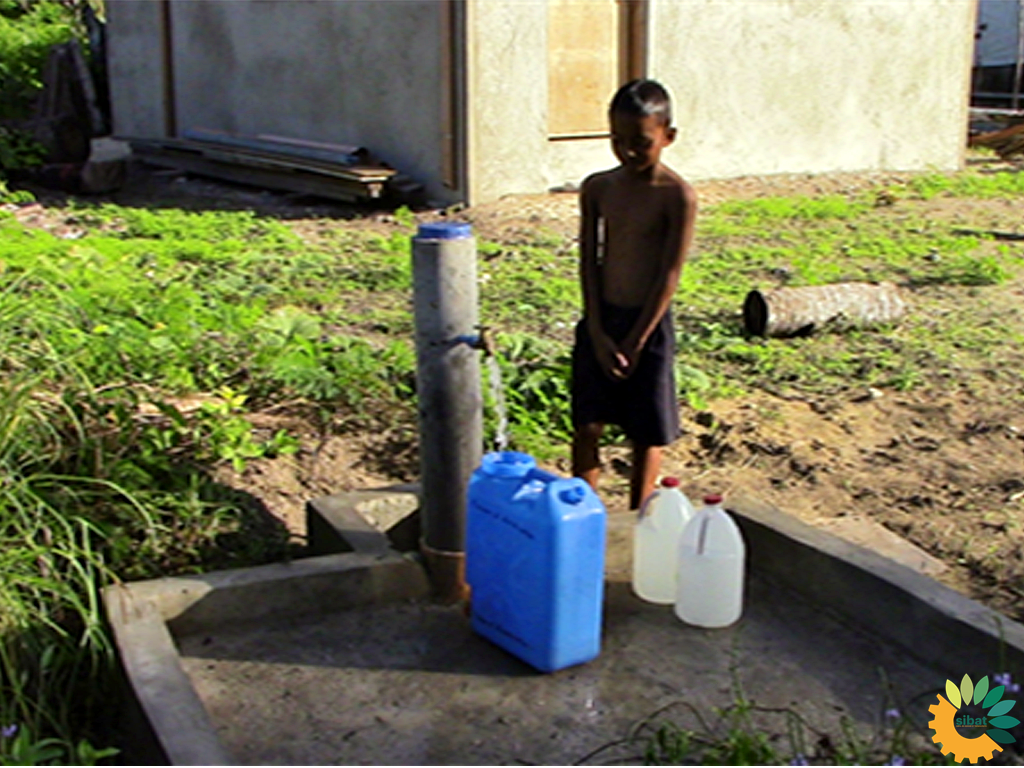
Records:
x=586, y=460
x=646, y=466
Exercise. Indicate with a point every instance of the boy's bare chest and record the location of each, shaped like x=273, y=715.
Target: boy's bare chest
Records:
x=630, y=217
x=635, y=228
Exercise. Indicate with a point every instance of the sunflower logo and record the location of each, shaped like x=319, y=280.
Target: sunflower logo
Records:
x=970, y=709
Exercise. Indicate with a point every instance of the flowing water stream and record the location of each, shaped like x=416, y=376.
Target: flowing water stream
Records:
x=500, y=407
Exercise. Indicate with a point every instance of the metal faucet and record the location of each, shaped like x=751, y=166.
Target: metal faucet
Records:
x=484, y=341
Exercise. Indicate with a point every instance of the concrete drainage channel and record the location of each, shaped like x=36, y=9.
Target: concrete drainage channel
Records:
x=342, y=658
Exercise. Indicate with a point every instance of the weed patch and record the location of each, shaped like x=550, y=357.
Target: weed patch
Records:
x=745, y=733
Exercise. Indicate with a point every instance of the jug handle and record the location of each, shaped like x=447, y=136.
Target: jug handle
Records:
x=642, y=512
x=702, y=536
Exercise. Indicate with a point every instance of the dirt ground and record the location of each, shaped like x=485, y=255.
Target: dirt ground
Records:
x=945, y=471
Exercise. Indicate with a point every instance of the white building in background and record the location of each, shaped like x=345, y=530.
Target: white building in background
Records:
x=481, y=98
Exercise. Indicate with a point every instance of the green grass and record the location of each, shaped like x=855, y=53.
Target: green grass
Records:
x=982, y=185
x=761, y=244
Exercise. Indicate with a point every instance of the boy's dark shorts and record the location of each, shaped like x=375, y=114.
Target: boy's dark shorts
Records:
x=645, y=404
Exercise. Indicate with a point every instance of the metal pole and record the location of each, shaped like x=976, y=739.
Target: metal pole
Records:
x=1018, y=72
x=448, y=391
x=167, y=52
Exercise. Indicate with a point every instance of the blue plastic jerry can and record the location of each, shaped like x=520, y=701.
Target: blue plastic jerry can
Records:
x=535, y=561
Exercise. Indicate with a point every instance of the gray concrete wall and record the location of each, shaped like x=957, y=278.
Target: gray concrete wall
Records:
x=136, y=68
x=509, y=149
x=767, y=87
x=358, y=72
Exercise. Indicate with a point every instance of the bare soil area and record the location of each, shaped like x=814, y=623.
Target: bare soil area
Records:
x=942, y=469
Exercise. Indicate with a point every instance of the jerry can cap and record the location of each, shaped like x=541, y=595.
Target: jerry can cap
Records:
x=507, y=464
x=713, y=498
x=572, y=495
x=670, y=482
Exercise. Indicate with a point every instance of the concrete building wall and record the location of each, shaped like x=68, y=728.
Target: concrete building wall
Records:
x=791, y=86
x=506, y=88
x=359, y=72
x=135, y=67
x=509, y=148
x=772, y=86
x=766, y=87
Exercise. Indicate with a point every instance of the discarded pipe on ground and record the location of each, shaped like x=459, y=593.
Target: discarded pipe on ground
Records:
x=801, y=311
x=449, y=394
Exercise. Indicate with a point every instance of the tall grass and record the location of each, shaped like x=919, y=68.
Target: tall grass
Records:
x=93, y=487
x=104, y=473
x=54, y=650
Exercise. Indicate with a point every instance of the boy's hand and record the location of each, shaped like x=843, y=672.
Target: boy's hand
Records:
x=611, y=359
x=630, y=356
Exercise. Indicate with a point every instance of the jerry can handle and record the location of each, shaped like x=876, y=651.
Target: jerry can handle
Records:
x=529, y=490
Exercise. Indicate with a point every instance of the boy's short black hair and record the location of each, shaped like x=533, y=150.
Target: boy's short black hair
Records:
x=642, y=98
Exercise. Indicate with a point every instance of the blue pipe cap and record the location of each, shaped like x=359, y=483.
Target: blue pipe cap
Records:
x=507, y=464
x=444, y=230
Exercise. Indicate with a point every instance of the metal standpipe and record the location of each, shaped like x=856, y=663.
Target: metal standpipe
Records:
x=449, y=394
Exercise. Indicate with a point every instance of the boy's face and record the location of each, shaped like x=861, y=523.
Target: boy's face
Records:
x=638, y=140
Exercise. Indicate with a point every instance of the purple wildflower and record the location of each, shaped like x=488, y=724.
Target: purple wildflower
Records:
x=897, y=760
x=8, y=731
x=1004, y=679
x=798, y=760
x=892, y=713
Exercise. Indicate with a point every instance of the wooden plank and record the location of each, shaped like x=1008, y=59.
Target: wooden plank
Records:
x=332, y=188
x=633, y=39
x=272, y=146
x=252, y=157
x=350, y=149
x=290, y=164
x=84, y=76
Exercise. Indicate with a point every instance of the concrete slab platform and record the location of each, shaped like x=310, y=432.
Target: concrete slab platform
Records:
x=870, y=535
x=410, y=684
x=341, y=659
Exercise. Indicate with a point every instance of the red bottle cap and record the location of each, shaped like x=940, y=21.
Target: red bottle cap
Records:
x=670, y=482
x=712, y=499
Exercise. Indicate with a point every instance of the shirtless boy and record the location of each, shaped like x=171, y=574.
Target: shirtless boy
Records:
x=636, y=226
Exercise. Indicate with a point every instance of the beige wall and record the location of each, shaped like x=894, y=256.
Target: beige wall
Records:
x=509, y=149
x=792, y=86
x=762, y=87
x=506, y=86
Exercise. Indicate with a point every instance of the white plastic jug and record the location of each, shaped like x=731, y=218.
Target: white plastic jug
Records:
x=709, y=590
x=656, y=534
